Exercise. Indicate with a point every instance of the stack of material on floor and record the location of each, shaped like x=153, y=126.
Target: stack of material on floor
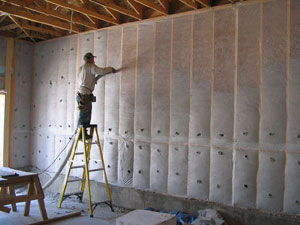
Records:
x=144, y=217
x=209, y=217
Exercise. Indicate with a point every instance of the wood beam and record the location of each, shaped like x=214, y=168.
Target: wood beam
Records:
x=49, y=12
x=153, y=6
x=136, y=7
x=110, y=4
x=83, y=10
x=27, y=2
x=18, y=12
x=33, y=35
x=113, y=13
x=164, y=4
x=205, y=3
x=9, y=27
x=189, y=3
x=26, y=26
x=2, y=18
x=15, y=20
x=78, y=20
x=90, y=19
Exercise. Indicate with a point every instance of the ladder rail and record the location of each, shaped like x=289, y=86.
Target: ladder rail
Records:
x=85, y=180
x=68, y=172
x=104, y=171
x=86, y=172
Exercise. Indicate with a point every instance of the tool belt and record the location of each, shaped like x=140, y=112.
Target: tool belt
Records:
x=85, y=102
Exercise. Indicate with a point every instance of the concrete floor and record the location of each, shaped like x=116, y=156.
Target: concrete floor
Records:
x=102, y=214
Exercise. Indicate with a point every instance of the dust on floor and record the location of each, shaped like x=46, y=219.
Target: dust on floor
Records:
x=102, y=214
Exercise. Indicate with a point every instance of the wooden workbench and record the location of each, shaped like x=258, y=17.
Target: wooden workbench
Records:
x=9, y=178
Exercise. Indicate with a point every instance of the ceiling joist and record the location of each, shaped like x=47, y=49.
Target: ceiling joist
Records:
x=49, y=12
x=44, y=19
x=113, y=13
x=55, y=33
x=153, y=6
x=34, y=35
x=18, y=12
x=205, y=3
x=164, y=4
x=83, y=11
x=9, y=27
x=136, y=7
x=15, y=20
x=27, y=2
x=3, y=17
x=189, y=3
x=110, y=4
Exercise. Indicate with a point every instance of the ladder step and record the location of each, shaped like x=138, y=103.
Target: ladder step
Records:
x=73, y=193
x=94, y=170
x=76, y=167
x=79, y=153
x=75, y=180
x=76, y=161
x=92, y=143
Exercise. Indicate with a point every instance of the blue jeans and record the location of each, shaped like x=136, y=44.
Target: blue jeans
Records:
x=84, y=116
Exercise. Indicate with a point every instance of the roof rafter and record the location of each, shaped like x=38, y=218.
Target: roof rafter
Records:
x=110, y=4
x=3, y=17
x=153, y=6
x=27, y=2
x=49, y=12
x=9, y=27
x=15, y=20
x=34, y=35
x=205, y=3
x=113, y=13
x=18, y=12
x=83, y=10
x=164, y=4
x=136, y=7
x=189, y=3
x=27, y=26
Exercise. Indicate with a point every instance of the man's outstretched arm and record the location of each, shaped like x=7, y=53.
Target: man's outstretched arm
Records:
x=102, y=71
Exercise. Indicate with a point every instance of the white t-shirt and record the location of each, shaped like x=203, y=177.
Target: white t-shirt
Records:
x=87, y=77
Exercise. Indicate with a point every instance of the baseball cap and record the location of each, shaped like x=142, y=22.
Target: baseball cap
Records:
x=88, y=56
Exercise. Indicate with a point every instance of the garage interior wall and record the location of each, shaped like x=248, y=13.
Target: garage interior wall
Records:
x=22, y=104
x=206, y=104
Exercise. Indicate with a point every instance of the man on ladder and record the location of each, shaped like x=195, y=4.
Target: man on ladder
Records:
x=88, y=75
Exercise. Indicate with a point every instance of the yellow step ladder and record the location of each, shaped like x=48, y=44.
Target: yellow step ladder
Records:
x=87, y=146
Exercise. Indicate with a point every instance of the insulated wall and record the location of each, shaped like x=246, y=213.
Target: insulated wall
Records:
x=52, y=111
x=21, y=132
x=205, y=103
